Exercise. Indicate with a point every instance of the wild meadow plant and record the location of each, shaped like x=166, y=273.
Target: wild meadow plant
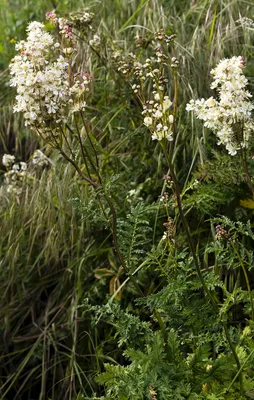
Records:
x=19, y=173
x=171, y=308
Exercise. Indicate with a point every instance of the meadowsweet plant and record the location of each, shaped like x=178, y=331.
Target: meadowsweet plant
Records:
x=20, y=174
x=158, y=114
x=47, y=91
x=229, y=115
x=40, y=159
x=16, y=174
x=51, y=95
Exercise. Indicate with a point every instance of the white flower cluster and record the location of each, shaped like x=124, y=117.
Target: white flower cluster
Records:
x=158, y=117
x=40, y=159
x=157, y=114
x=17, y=172
x=169, y=232
x=153, y=72
x=95, y=41
x=8, y=160
x=46, y=93
x=64, y=28
x=246, y=22
x=84, y=18
x=127, y=64
x=15, y=176
x=229, y=116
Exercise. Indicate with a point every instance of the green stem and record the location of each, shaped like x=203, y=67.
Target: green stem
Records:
x=83, y=176
x=82, y=147
x=90, y=140
x=164, y=332
x=175, y=102
x=113, y=224
x=67, y=143
x=175, y=108
x=246, y=279
x=239, y=373
x=85, y=153
x=188, y=234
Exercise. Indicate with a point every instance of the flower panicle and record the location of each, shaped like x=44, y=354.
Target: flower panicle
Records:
x=229, y=116
x=48, y=93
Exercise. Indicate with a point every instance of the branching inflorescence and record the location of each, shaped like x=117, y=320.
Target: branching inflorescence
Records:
x=47, y=92
x=20, y=173
x=229, y=116
x=157, y=108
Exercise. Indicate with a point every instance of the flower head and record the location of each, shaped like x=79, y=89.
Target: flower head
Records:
x=8, y=160
x=229, y=116
x=46, y=94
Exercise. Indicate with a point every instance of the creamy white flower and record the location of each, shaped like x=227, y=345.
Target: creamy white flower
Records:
x=156, y=110
x=233, y=107
x=171, y=119
x=8, y=160
x=23, y=166
x=15, y=167
x=95, y=41
x=41, y=78
x=15, y=177
x=157, y=114
x=246, y=22
x=40, y=159
x=211, y=102
x=166, y=104
x=162, y=134
x=165, y=236
x=148, y=121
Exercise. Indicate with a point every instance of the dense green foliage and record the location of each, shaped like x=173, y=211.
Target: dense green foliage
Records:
x=97, y=307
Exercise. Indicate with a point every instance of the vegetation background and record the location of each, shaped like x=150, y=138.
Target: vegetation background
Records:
x=73, y=325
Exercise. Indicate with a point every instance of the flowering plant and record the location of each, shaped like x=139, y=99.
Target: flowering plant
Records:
x=229, y=116
x=19, y=174
x=48, y=92
x=158, y=113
